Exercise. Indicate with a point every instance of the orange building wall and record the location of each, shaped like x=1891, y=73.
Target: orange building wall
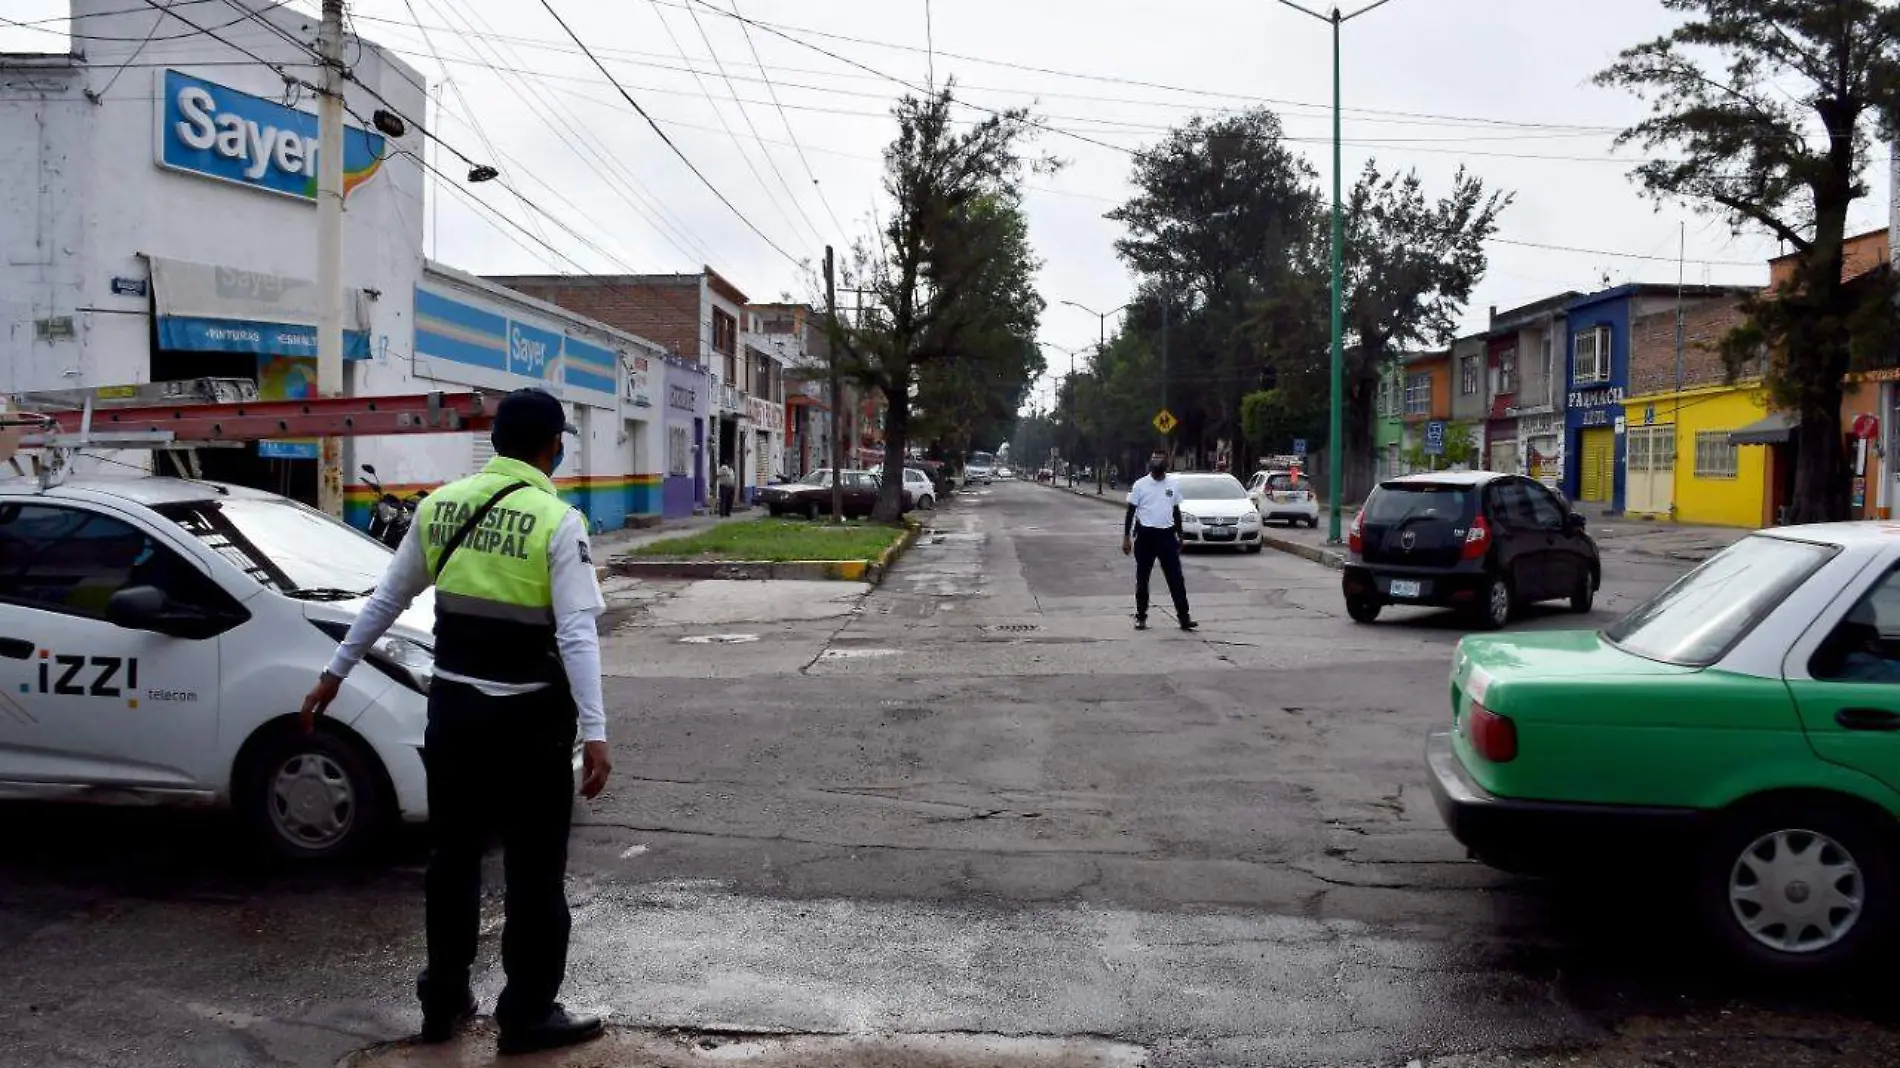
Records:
x=1862, y=253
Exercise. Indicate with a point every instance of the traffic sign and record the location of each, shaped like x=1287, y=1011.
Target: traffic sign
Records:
x=1299, y=446
x=1165, y=421
x=1434, y=438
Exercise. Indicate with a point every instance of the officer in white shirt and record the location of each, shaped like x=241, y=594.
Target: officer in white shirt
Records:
x=1151, y=531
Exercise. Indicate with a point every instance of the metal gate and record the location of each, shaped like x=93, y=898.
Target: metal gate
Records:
x=1650, y=488
x=1598, y=484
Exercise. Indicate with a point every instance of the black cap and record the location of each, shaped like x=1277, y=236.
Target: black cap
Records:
x=528, y=419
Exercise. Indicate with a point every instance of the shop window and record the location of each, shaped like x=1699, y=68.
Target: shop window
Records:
x=1715, y=455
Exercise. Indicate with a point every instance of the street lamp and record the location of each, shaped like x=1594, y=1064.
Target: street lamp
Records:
x=1335, y=451
x=1101, y=348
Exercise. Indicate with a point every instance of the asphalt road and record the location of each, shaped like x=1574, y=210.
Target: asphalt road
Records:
x=971, y=803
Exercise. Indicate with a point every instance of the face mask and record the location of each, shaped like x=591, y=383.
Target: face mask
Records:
x=1157, y=470
x=560, y=453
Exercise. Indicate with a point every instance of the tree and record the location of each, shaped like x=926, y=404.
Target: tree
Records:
x=1275, y=418
x=1762, y=108
x=946, y=275
x=1411, y=264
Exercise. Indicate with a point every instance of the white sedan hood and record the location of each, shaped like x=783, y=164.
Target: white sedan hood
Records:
x=1220, y=509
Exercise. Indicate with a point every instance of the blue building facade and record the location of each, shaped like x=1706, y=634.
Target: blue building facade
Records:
x=1596, y=380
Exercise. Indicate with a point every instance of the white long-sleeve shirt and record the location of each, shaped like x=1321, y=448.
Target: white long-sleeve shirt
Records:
x=577, y=607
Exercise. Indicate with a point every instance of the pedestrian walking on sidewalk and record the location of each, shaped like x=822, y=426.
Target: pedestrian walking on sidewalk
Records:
x=517, y=671
x=1151, y=532
x=728, y=485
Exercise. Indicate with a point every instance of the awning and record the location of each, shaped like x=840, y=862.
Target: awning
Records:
x=202, y=308
x=1773, y=430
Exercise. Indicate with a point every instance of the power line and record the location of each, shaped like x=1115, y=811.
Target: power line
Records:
x=1621, y=255
x=817, y=187
x=750, y=225
x=720, y=114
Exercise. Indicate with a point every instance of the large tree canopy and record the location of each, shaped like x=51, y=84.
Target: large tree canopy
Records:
x=949, y=326
x=1762, y=113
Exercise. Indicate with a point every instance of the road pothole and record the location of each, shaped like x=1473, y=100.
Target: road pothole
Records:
x=719, y=639
x=630, y=1048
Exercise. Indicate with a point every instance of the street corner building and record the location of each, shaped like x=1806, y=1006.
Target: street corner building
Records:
x=170, y=236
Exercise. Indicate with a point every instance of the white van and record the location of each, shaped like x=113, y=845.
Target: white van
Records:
x=157, y=636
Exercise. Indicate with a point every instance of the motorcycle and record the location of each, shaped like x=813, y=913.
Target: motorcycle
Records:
x=391, y=517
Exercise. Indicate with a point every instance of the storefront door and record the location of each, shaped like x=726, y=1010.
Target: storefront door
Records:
x=1652, y=469
x=1598, y=484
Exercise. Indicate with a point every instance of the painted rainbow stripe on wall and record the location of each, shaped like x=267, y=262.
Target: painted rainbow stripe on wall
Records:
x=607, y=501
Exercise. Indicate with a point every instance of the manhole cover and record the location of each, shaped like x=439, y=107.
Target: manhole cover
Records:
x=1012, y=628
x=719, y=639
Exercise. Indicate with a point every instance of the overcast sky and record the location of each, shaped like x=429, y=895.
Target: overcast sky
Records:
x=1500, y=87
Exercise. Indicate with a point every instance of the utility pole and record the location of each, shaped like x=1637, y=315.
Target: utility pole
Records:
x=330, y=248
x=837, y=390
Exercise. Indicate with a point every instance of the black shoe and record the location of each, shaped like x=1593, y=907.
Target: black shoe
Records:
x=558, y=1029
x=1188, y=624
x=1141, y=622
x=441, y=1026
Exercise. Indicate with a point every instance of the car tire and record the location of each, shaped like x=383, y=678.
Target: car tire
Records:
x=1584, y=597
x=927, y=503
x=1362, y=610
x=811, y=511
x=1739, y=868
x=1255, y=547
x=316, y=796
x=1497, y=602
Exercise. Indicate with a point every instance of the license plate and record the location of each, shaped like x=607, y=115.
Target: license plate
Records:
x=1401, y=588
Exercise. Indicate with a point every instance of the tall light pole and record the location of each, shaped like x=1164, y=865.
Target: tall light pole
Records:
x=1101, y=350
x=1070, y=353
x=1335, y=450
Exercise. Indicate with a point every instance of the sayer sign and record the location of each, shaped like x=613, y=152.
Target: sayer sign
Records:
x=218, y=132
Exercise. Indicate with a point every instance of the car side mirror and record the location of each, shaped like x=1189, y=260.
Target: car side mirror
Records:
x=148, y=608
x=1574, y=521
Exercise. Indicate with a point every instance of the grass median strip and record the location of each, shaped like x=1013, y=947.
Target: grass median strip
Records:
x=778, y=541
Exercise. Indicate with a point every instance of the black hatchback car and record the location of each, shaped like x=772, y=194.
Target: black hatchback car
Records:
x=1484, y=542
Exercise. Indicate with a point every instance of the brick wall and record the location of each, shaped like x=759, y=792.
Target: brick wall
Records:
x=1653, y=346
x=667, y=315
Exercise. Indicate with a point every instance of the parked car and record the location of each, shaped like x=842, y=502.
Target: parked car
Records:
x=1045, y=475
x=157, y=637
x=922, y=490
x=1743, y=721
x=813, y=499
x=1282, y=496
x=939, y=476
x=1215, y=510
x=1480, y=541
x=1006, y=473
x=978, y=472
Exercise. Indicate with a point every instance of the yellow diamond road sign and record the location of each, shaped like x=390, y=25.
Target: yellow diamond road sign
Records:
x=1165, y=421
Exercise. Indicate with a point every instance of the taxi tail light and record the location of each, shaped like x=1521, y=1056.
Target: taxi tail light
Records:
x=1356, y=537
x=1492, y=735
x=1477, y=540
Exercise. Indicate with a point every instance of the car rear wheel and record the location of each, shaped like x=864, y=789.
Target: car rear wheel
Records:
x=1798, y=888
x=314, y=796
x=927, y=502
x=1584, y=597
x=811, y=510
x=1362, y=610
x=1496, y=600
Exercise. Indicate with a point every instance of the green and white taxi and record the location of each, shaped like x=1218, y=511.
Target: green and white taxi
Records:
x=1747, y=717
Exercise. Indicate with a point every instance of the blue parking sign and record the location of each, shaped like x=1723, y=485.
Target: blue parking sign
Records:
x=1299, y=446
x=1434, y=438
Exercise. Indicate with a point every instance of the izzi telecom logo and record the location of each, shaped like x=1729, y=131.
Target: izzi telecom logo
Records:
x=218, y=132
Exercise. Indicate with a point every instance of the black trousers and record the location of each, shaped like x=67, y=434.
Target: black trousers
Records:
x=1154, y=544
x=726, y=493
x=498, y=766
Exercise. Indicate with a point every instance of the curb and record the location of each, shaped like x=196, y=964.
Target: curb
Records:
x=871, y=571
x=1325, y=557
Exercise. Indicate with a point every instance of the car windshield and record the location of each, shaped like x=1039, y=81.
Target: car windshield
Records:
x=1212, y=488
x=1701, y=616
x=286, y=546
x=1398, y=502
x=816, y=478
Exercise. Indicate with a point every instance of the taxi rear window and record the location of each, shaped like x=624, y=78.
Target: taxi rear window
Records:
x=1700, y=617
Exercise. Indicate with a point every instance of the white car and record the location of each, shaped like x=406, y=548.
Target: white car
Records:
x=1005, y=473
x=921, y=489
x=978, y=473
x=1280, y=496
x=157, y=636
x=1215, y=510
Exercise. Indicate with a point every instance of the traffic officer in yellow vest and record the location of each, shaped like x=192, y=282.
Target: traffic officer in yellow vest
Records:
x=517, y=669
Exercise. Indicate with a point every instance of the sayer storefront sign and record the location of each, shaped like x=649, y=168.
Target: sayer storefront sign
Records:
x=218, y=132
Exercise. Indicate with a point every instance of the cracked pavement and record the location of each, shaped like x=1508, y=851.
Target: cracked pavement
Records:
x=968, y=817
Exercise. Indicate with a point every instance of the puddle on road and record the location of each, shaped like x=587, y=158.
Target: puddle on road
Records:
x=696, y=1049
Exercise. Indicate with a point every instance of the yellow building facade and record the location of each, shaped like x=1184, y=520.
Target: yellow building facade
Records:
x=1681, y=465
